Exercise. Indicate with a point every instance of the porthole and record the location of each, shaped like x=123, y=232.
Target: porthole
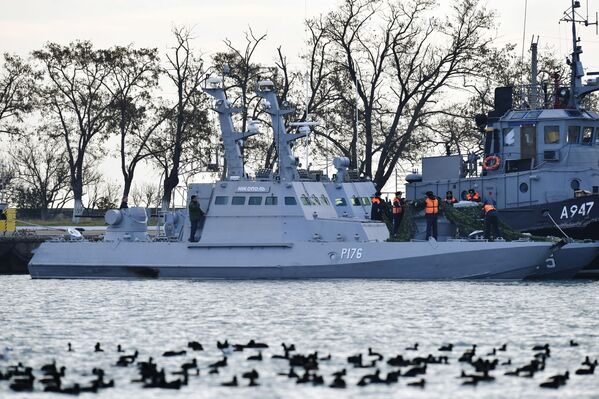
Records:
x=575, y=184
x=523, y=187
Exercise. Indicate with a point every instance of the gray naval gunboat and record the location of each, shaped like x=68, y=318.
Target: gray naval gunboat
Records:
x=282, y=224
x=541, y=154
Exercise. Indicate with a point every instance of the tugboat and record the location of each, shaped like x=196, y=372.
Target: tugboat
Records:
x=280, y=224
x=541, y=155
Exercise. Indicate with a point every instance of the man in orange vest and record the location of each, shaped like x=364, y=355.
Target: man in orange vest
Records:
x=397, y=209
x=473, y=195
x=376, y=210
x=491, y=221
x=431, y=211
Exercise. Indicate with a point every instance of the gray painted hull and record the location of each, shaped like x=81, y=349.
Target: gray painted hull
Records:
x=568, y=261
x=303, y=260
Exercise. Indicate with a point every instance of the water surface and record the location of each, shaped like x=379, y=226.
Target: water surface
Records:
x=38, y=318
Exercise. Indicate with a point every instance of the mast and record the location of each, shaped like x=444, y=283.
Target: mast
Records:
x=534, y=100
x=287, y=162
x=230, y=137
x=577, y=89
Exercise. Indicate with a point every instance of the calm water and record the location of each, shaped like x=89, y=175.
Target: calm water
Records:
x=38, y=318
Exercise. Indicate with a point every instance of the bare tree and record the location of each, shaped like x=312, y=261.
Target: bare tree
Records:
x=131, y=81
x=42, y=175
x=147, y=195
x=74, y=93
x=185, y=71
x=16, y=88
x=400, y=60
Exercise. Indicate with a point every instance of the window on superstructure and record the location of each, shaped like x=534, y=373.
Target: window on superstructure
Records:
x=238, y=201
x=509, y=136
x=355, y=201
x=551, y=134
x=221, y=200
x=340, y=202
x=290, y=201
x=314, y=199
x=587, y=135
x=573, y=134
x=272, y=200
x=305, y=200
x=324, y=199
x=365, y=201
x=255, y=201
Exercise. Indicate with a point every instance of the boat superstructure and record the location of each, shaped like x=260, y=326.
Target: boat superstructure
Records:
x=283, y=223
x=541, y=154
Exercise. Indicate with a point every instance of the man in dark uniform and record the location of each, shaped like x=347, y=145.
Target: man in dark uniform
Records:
x=491, y=221
x=398, y=204
x=195, y=215
x=376, y=212
x=431, y=211
x=449, y=198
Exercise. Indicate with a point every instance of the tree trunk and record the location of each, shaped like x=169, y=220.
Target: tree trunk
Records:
x=170, y=183
x=78, y=196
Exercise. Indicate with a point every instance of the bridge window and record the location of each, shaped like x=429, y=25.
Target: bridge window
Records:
x=587, y=135
x=272, y=200
x=315, y=200
x=365, y=201
x=221, y=200
x=290, y=201
x=551, y=134
x=255, y=201
x=238, y=201
x=305, y=200
x=509, y=136
x=340, y=202
x=324, y=199
x=573, y=134
x=355, y=201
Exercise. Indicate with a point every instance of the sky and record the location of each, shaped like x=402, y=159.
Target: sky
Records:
x=25, y=25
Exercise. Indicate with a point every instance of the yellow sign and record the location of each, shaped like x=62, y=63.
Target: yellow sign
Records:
x=8, y=223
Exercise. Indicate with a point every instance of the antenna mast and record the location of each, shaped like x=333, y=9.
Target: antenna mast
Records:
x=576, y=69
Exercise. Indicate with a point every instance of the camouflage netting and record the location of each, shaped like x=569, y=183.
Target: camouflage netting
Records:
x=467, y=219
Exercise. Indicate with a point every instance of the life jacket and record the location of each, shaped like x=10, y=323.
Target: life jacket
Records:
x=488, y=208
x=376, y=200
x=397, y=208
x=451, y=200
x=431, y=206
x=473, y=197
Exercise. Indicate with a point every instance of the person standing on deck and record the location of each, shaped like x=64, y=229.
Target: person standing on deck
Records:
x=397, y=204
x=449, y=198
x=376, y=209
x=195, y=215
x=473, y=195
x=491, y=220
x=431, y=210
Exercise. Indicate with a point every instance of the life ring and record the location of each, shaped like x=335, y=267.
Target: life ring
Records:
x=491, y=162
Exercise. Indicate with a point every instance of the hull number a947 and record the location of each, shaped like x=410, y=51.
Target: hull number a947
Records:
x=351, y=253
x=583, y=209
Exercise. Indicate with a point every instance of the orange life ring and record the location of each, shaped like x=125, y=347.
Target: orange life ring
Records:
x=491, y=162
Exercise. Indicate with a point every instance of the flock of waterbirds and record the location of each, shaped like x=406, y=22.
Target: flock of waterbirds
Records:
x=361, y=369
